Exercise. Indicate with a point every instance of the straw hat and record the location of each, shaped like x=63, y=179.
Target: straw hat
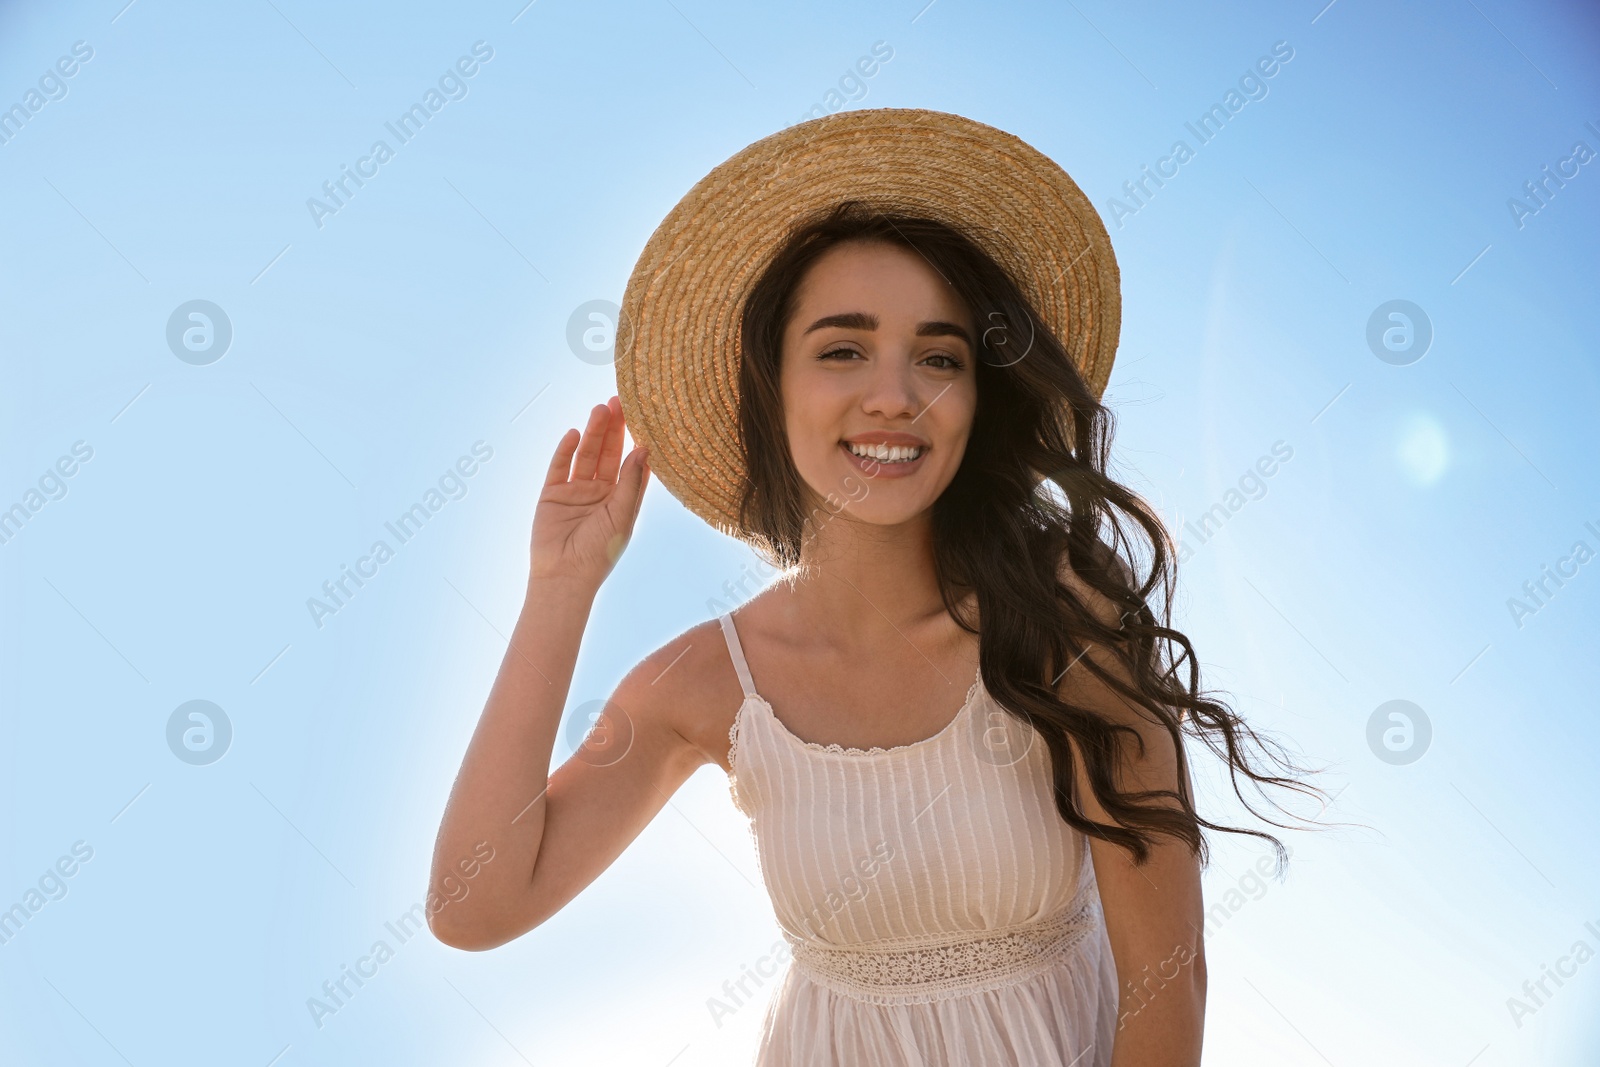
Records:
x=677, y=340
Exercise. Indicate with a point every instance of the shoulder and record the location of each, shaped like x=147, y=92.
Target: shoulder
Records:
x=1098, y=604
x=687, y=686
x=1150, y=762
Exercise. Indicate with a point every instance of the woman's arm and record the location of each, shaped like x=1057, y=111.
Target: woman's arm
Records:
x=1154, y=913
x=521, y=846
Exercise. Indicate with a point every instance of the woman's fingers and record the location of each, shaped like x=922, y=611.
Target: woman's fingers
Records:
x=644, y=480
x=593, y=454
x=561, y=462
x=588, y=458
x=611, y=448
x=635, y=473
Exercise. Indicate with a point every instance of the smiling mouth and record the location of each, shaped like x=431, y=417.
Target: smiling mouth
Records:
x=887, y=454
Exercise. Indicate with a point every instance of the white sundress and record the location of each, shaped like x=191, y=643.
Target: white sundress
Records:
x=938, y=910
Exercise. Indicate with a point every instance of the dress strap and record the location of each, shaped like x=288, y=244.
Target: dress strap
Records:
x=736, y=653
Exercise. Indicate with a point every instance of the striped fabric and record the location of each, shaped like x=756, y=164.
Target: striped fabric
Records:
x=939, y=911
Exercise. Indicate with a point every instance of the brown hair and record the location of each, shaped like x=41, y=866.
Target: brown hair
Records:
x=1000, y=532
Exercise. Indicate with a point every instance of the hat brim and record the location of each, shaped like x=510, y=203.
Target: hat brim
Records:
x=678, y=331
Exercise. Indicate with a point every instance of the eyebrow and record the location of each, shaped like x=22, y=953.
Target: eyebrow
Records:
x=860, y=320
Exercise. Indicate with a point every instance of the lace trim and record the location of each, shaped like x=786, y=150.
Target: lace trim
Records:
x=847, y=750
x=733, y=752
x=830, y=749
x=936, y=970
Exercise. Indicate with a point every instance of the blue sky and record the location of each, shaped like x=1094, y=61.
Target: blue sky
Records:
x=210, y=497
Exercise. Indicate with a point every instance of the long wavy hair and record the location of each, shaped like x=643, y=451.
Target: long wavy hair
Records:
x=1000, y=533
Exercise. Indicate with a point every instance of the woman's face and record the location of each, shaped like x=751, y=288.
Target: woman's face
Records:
x=878, y=355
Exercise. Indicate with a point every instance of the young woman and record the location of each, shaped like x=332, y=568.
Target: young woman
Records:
x=957, y=721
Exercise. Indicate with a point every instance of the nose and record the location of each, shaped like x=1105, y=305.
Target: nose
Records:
x=892, y=389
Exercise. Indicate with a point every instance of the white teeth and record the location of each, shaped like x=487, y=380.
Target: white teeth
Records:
x=885, y=453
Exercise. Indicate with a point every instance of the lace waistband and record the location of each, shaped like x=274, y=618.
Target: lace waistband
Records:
x=928, y=970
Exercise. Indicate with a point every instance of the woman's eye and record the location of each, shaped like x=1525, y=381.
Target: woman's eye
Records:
x=950, y=362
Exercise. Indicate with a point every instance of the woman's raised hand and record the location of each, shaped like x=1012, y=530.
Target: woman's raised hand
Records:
x=589, y=502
